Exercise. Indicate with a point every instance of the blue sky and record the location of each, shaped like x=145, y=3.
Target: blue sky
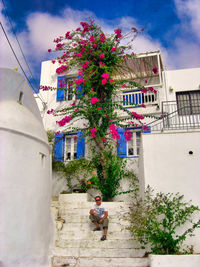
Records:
x=171, y=26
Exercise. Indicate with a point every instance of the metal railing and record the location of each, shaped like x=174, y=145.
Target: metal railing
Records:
x=128, y=98
x=173, y=118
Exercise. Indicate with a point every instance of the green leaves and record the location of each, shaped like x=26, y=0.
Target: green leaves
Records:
x=156, y=220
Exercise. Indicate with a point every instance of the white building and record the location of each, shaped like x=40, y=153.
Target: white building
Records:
x=177, y=103
x=25, y=173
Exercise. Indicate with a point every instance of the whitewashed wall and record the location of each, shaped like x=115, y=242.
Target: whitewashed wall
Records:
x=167, y=166
x=25, y=177
x=181, y=80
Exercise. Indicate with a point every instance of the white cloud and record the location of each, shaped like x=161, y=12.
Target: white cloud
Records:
x=189, y=10
x=185, y=52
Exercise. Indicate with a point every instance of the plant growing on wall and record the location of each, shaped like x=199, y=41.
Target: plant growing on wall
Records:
x=163, y=221
x=100, y=63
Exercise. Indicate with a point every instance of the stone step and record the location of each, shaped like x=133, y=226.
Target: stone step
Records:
x=101, y=252
x=79, y=243
x=80, y=218
x=91, y=235
x=99, y=262
x=90, y=226
x=85, y=211
x=89, y=205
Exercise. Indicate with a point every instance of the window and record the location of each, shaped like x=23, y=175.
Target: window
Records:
x=70, y=147
x=188, y=102
x=133, y=145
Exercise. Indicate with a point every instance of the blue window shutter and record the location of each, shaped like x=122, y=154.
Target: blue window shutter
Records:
x=59, y=147
x=80, y=89
x=121, y=148
x=60, y=92
x=80, y=145
x=147, y=131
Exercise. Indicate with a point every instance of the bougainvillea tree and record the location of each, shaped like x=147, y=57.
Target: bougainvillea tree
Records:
x=98, y=59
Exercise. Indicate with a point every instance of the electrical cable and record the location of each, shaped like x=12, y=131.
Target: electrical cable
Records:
x=20, y=63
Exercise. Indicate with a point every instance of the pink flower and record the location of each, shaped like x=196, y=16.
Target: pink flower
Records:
x=132, y=54
x=61, y=69
x=111, y=81
x=92, y=89
x=94, y=45
x=143, y=90
x=137, y=116
x=155, y=70
x=104, y=81
x=75, y=138
x=93, y=130
x=79, y=55
x=85, y=65
x=80, y=81
x=107, y=116
x=94, y=100
x=113, y=49
x=152, y=90
x=92, y=38
x=143, y=105
x=118, y=33
x=78, y=29
x=124, y=85
x=76, y=109
x=49, y=50
x=80, y=72
x=127, y=135
x=50, y=111
x=105, y=75
x=58, y=132
x=101, y=56
x=65, y=120
x=93, y=135
x=101, y=63
x=104, y=139
x=113, y=131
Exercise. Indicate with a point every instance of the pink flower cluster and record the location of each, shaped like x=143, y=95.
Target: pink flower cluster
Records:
x=113, y=49
x=127, y=135
x=45, y=88
x=94, y=100
x=85, y=65
x=137, y=116
x=113, y=131
x=102, y=38
x=92, y=39
x=93, y=131
x=104, y=139
x=61, y=69
x=152, y=90
x=155, y=70
x=59, y=46
x=143, y=90
x=118, y=33
x=105, y=77
x=50, y=111
x=101, y=56
x=80, y=81
x=65, y=120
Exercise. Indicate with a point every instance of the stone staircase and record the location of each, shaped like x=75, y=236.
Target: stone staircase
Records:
x=77, y=245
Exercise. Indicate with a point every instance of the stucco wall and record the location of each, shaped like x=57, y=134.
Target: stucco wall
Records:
x=168, y=166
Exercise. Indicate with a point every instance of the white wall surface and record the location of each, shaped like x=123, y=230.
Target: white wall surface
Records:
x=168, y=166
x=181, y=80
x=25, y=173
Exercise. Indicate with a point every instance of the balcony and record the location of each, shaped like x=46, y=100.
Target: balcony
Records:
x=181, y=117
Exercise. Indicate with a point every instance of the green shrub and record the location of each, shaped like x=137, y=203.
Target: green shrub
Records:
x=155, y=220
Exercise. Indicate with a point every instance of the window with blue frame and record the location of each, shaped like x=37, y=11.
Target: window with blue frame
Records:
x=131, y=148
x=69, y=146
x=64, y=92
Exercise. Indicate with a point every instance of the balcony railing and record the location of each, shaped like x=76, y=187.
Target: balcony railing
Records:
x=129, y=98
x=173, y=118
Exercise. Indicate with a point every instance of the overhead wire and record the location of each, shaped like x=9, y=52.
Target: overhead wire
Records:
x=21, y=52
